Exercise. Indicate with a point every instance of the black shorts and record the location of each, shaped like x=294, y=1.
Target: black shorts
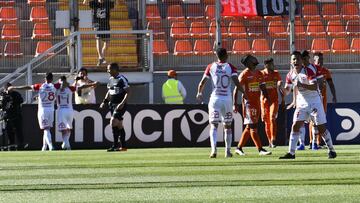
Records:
x=102, y=27
x=117, y=114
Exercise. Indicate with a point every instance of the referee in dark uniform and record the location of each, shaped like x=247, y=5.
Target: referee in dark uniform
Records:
x=116, y=97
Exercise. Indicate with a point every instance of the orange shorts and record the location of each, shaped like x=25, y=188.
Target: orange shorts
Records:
x=269, y=110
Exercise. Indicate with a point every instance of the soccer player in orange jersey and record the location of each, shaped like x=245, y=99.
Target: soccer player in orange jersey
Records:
x=253, y=84
x=326, y=78
x=269, y=109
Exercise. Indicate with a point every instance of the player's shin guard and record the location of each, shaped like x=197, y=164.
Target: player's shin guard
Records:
x=44, y=147
x=213, y=138
x=294, y=137
x=122, y=138
x=327, y=139
x=228, y=139
x=116, y=133
x=47, y=135
x=66, y=138
x=302, y=135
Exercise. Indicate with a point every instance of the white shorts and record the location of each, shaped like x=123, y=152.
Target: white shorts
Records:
x=45, y=118
x=220, y=110
x=64, y=119
x=312, y=111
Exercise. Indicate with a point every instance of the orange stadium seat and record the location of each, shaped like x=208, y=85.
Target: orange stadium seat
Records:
x=320, y=45
x=8, y=15
x=7, y=3
x=172, y=1
x=209, y=2
x=183, y=48
x=311, y=12
x=12, y=49
x=199, y=30
x=241, y=46
x=212, y=29
x=302, y=44
x=152, y=13
x=350, y=11
x=340, y=46
x=39, y=14
x=277, y=29
x=355, y=46
x=41, y=31
x=202, y=47
x=260, y=47
x=281, y=46
x=273, y=18
x=353, y=28
x=43, y=46
x=330, y=12
x=175, y=13
x=37, y=2
x=194, y=12
x=179, y=30
x=237, y=29
x=10, y=32
x=157, y=28
x=256, y=29
x=160, y=47
x=299, y=29
x=210, y=12
x=315, y=29
x=335, y=29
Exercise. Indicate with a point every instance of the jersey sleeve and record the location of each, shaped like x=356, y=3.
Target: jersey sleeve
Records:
x=242, y=78
x=125, y=83
x=57, y=86
x=207, y=71
x=288, y=82
x=72, y=88
x=233, y=70
x=36, y=87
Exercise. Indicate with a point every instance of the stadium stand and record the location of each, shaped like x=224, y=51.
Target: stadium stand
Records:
x=175, y=13
x=340, y=46
x=353, y=28
x=241, y=46
x=260, y=47
x=7, y=3
x=160, y=47
x=179, y=30
x=199, y=30
x=320, y=45
x=39, y=14
x=202, y=47
x=315, y=29
x=8, y=15
x=12, y=49
x=355, y=46
x=276, y=29
x=335, y=29
x=152, y=13
x=41, y=31
x=330, y=12
x=280, y=46
x=310, y=12
x=237, y=29
x=350, y=11
x=10, y=32
x=194, y=12
x=183, y=48
x=37, y=2
x=43, y=46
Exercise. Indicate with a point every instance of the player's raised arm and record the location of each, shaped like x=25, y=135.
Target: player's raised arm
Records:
x=25, y=87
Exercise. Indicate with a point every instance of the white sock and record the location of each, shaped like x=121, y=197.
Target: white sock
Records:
x=44, y=147
x=213, y=138
x=314, y=133
x=326, y=136
x=47, y=135
x=67, y=142
x=228, y=139
x=302, y=135
x=294, y=137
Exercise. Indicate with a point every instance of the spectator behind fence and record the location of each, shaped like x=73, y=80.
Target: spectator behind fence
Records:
x=85, y=93
x=101, y=22
x=173, y=91
x=10, y=104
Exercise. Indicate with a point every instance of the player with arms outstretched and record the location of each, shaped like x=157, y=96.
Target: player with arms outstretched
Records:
x=220, y=103
x=308, y=104
x=46, y=102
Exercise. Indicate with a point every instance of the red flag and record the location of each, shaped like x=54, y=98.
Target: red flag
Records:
x=238, y=8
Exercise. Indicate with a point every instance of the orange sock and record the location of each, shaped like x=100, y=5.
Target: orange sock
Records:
x=268, y=129
x=255, y=137
x=244, y=137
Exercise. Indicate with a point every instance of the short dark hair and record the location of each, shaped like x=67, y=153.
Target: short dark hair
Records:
x=114, y=66
x=318, y=54
x=305, y=53
x=221, y=53
x=49, y=76
x=296, y=53
x=268, y=60
x=245, y=59
x=83, y=70
x=63, y=78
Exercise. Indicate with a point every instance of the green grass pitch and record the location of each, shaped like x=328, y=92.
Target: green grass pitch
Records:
x=179, y=175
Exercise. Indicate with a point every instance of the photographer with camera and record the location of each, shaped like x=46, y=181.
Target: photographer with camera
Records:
x=85, y=93
x=10, y=104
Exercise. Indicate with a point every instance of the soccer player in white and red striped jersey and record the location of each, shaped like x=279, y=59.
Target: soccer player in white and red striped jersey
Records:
x=46, y=102
x=64, y=112
x=220, y=103
x=308, y=104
